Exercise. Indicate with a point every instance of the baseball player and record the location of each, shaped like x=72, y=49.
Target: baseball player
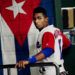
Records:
x=50, y=43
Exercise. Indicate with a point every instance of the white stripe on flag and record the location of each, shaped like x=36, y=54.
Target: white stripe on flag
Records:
x=32, y=39
x=7, y=46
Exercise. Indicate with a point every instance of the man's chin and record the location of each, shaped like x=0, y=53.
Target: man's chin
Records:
x=40, y=29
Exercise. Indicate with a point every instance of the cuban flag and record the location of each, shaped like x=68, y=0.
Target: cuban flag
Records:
x=17, y=31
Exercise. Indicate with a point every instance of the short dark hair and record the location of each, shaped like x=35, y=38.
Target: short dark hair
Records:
x=40, y=10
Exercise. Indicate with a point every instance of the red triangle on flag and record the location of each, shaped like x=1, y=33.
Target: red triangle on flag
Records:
x=18, y=16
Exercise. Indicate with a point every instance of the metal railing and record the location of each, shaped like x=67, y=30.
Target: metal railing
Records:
x=31, y=65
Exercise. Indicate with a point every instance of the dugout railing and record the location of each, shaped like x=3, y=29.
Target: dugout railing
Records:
x=8, y=67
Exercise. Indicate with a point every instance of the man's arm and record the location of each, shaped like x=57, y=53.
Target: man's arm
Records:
x=66, y=42
x=47, y=50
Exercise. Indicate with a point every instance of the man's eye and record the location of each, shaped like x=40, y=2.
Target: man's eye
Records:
x=39, y=18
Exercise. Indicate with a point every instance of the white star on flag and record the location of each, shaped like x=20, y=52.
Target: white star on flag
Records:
x=16, y=8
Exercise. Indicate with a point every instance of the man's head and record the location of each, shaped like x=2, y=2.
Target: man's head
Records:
x=40, y=17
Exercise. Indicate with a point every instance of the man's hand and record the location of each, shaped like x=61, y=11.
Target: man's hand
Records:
x=22, y=64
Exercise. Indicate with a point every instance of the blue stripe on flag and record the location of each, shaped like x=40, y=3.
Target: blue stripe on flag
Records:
x=49, y=6
x=22, y=53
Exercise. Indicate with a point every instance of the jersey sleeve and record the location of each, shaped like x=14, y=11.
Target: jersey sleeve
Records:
x=48, y=40
x=66, y=42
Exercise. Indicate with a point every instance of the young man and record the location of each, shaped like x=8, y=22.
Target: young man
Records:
x=51, y=41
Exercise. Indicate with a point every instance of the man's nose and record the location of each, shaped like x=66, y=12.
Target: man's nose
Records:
x=37, y=20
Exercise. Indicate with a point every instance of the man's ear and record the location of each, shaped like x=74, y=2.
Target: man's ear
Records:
x=46, y=18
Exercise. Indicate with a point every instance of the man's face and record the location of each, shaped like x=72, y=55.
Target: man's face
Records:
x=40, y=20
